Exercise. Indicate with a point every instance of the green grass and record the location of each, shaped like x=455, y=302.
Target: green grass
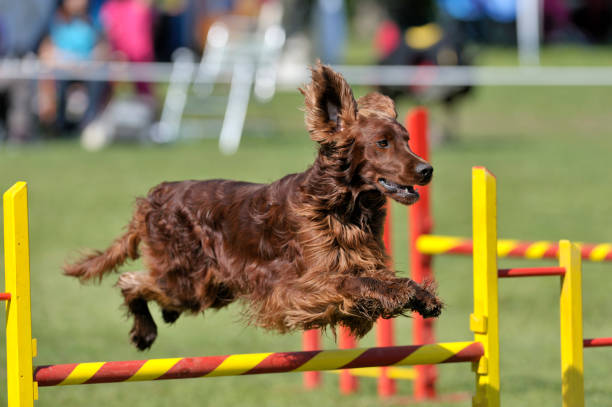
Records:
x=550, y=149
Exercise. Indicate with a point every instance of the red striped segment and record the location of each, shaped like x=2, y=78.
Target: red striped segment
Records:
x=192, y=367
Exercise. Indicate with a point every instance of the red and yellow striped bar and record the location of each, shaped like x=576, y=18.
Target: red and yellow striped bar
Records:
x=531, y=272
x=437, y=244
x=256, y=363
x=596, y=342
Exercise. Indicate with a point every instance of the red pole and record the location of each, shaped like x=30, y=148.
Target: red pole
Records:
x=596, y=342
x=421, y=223
x=384, y=327
x=531, y=272
x=348, y=382
x=311, y=340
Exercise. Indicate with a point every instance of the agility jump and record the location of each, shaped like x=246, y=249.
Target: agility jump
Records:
x=24, y=379
x=424, y=245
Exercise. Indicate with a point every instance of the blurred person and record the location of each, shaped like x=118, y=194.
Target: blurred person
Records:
x=72, y=38
x=22, y=26
x=174, y=28
x=94, y=13
x=296, y=22
x=413, y=36
x=128, y=25
x=323, y=21
x=330, y=27
x=557, y=25
x=207, y=12
x=501, y=21
x=580, y=21
x=464, y=17
x=485, y=21
x=594, y=19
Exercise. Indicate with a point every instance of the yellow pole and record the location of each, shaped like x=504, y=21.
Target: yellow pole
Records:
x=20, y=347
x=484, y=321
x=572, y=367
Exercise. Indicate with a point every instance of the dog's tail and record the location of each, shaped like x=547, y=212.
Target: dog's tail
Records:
x=97, y=264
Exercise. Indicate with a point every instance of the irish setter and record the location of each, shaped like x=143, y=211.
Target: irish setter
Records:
x=302, y=252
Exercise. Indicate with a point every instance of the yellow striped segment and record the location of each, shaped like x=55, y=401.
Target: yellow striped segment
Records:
x=326, y=359
x=238, y=364
x=600, y=252
x=152, y=369
x=398, y=373
x=436, y=244
x=81, y=373
x=505, y=246
x=434, y=353
x=537, y=249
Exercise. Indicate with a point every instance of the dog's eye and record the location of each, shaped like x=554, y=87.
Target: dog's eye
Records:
x=382, y=143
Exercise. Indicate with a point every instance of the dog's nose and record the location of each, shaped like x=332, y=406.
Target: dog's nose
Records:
x=424, y=171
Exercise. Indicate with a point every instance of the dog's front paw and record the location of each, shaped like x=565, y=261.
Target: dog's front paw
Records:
x=431, y=309
x=425, y=302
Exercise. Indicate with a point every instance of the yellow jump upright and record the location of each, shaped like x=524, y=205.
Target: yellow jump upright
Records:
x=572, y=365
x=484, y=321
x=20, y=347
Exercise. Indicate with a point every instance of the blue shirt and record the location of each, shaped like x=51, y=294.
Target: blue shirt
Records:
x=75, y=38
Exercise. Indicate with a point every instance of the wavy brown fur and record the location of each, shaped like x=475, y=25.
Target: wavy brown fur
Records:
x=302, y=252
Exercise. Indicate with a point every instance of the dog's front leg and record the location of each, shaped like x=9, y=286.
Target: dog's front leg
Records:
x=373, y=298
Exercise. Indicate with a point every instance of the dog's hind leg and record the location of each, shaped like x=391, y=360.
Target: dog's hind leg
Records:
x=144, y=330
x=138, y=288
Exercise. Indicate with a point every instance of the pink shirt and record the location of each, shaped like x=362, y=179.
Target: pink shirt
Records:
x=129, y=28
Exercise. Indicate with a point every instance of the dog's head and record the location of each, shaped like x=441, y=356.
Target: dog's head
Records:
x=378, y=155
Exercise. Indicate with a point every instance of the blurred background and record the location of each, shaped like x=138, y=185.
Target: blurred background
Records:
x=150, y=71
x=102, y=99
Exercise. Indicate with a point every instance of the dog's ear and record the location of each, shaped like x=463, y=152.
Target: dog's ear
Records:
x=329, y=104
x=376, y=103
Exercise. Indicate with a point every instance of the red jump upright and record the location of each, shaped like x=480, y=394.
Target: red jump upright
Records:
x=311, y=340
x=420, y=264
x=384, y=327
x=348, y=383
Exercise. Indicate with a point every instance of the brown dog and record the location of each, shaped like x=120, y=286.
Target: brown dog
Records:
x=302, y=252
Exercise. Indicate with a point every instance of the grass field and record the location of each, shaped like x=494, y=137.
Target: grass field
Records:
x=550, y=149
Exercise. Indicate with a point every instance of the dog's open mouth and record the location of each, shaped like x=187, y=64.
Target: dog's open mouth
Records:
x=403, y=191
